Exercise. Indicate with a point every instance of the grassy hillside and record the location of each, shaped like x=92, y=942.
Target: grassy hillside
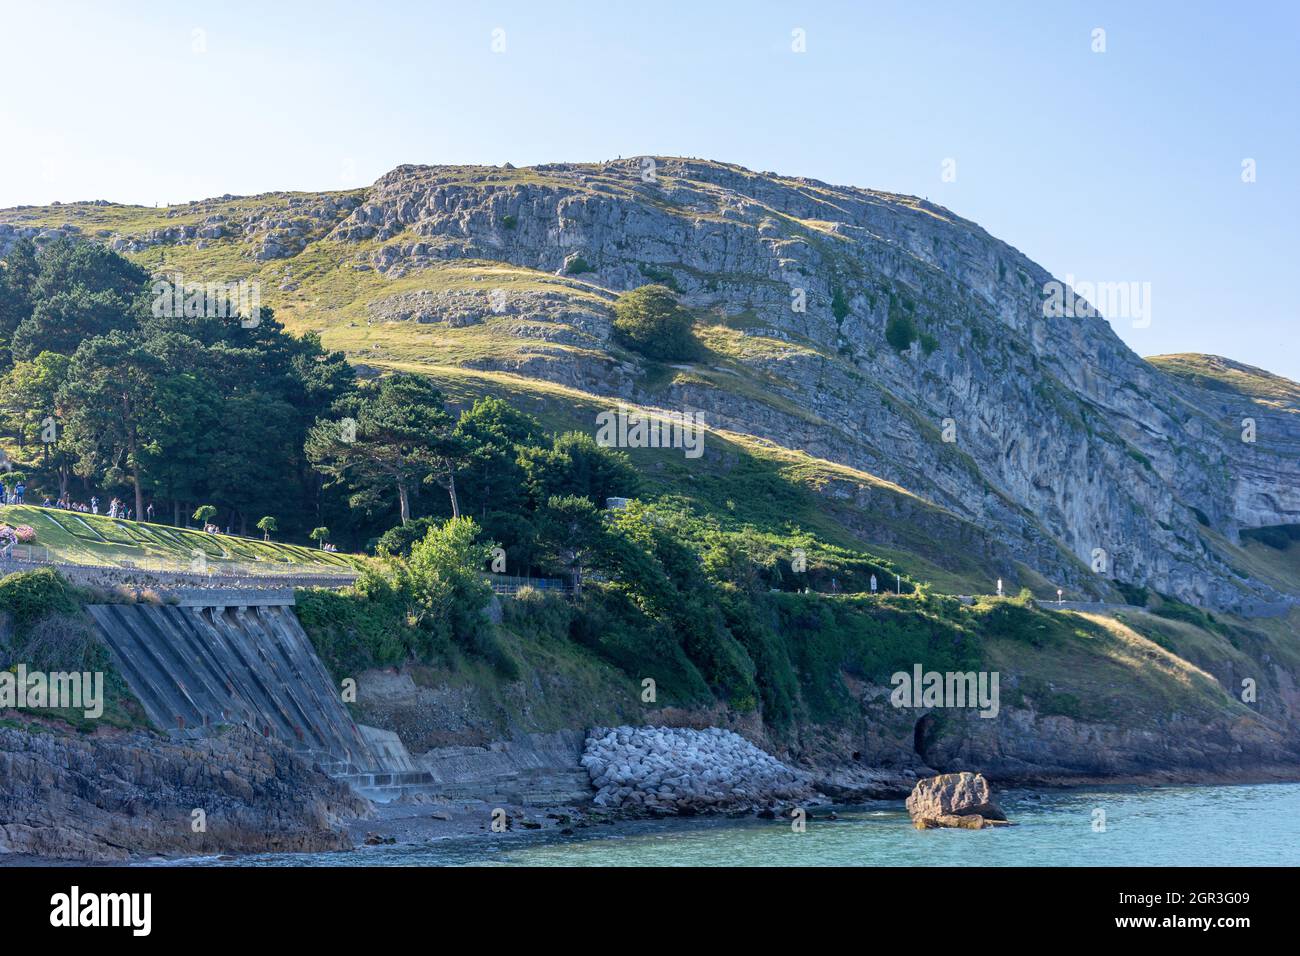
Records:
x=99, y=540
x=741, y=480
x=1224, y=375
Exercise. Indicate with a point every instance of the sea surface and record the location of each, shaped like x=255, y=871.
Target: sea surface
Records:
x=1250, y=825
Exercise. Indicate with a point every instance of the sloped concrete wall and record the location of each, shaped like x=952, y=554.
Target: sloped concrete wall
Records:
x=196, y=668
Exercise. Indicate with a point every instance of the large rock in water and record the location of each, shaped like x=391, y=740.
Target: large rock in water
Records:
x=963, y=800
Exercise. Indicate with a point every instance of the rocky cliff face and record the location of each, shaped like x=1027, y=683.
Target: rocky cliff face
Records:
x=1062, y=436
x=897, y=338
x=117, y=796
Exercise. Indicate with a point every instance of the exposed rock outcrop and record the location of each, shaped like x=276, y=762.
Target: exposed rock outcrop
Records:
x=121, y=795
x=1031, y=399
x=962, y=800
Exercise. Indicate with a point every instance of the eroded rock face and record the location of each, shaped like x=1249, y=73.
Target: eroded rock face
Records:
x=963, y=800
x=679, y=770
x=114, y=797
x=1062, y=436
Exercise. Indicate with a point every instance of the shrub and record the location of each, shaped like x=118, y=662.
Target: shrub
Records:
x=650, y=321
x=451, y=593
x=50, y=632
x=29, y=595
x=358, y=629
x=900, y=331
x=1277, y=536
x=63, y=642
x=398, y=541
x=1016, y=620
x=839, y=304
x=611, y=625
x=661, y=276
x=1175, y=610
x=1133, y=594
x=538, y=614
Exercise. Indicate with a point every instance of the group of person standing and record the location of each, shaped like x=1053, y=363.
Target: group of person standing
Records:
x=14, y=496
x=117, y=508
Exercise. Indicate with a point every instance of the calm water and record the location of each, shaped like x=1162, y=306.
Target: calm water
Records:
x=1188, y=826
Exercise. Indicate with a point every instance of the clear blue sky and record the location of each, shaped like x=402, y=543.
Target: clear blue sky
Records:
x=1115, y=166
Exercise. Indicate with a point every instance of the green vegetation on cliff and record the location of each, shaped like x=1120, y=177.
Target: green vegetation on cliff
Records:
x=44, y=628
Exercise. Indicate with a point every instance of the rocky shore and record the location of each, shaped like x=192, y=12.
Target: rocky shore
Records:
x=116, y=796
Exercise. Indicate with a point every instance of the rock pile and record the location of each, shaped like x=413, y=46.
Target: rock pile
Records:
x=687, y=771
x=963, y=800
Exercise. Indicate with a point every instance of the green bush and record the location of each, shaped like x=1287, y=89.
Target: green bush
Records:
x=1279, y=536
x=540, y=615
x=1133, y=594
x=900, y=331
x=610, y=624
x=446, y=570
x=30, y=595
x=1175, y=610
x=398, y=541
x=649, y=320
x=52, y=633
x=366, y=626
x=865, y=638
x=839, y=304
x=1017, y=620
x=661, y=276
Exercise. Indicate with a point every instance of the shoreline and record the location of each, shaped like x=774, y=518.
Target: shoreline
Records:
x=412, y=823
x=413, y=829
x=418, y=826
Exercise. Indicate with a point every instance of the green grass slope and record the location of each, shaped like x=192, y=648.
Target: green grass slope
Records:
x=743, y=481
x=75, y=538
x=1220, y=374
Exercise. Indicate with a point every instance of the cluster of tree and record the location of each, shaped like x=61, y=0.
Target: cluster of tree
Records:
x=650, y=320
x=660, y=591
x=106, y=397
x=106, y=394
x=392, y=441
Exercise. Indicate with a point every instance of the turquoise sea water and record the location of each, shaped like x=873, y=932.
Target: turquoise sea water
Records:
x=1256, y=825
